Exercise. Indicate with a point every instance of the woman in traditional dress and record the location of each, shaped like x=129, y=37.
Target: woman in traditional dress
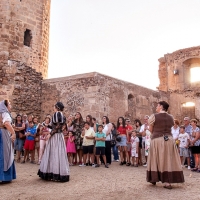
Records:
x=54, y=164
x=7, y=136
x=163, y=160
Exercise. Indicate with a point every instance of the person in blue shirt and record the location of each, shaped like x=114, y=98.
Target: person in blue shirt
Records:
x=29, y=145
x=100, y=138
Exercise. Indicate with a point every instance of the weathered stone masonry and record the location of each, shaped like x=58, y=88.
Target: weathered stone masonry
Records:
x=15, y=18
x=98, y=95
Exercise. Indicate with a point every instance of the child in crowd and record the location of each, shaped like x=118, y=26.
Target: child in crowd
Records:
x=134, y=148
x=184, y=141
x=100, y=139
x=44, y=136
x=71, y=149
x=65, y=133
x=29, y=145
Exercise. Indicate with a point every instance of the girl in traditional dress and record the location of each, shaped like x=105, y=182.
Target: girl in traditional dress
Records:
x=163, y=160
x=54, y=164
x=7, y=136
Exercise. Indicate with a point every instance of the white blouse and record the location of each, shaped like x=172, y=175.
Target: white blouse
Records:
x=6, y=117
x=105, y=129
x=175, y=132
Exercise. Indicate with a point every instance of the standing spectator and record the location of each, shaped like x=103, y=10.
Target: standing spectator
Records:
x=29, y=145
x=138, y=125
x=107, y=126
x=78, y=127
x=114, y=148
x=54, y=164
x=37, y=138
x=95, y=124
x=44, y=136
x=25, y=120
x=188, y=130
x=70, y=123
x=100, y=138
x=163, y=161
x=19, y=127
x=195, y=143
x=143, y=129
x=92, y=126
x=71, y=149
x=175, y=129
x=184, y=141
x=7, y=137
x=134, y=148
x=30, y=118
x=129, y=129
x=88, y=144
x=122, y=144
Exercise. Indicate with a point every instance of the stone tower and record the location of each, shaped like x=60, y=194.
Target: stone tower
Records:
x=24, y=33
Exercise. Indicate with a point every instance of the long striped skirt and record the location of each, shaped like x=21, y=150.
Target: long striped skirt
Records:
x=54, y=164
x=164, y=162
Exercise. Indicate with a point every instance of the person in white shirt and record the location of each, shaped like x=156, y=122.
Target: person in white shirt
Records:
x=184, y=141
x=88, y=144
x=175, y=129
x=143, y=129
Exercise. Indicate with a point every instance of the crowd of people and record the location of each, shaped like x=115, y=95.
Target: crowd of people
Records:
x=88, y=143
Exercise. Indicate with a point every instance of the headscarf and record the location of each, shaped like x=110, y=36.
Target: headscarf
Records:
x=3, y=107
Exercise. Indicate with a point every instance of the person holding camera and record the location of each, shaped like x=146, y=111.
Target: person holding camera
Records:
x=163, y=160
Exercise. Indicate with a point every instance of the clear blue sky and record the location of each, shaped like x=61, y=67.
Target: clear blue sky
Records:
x=120, y=38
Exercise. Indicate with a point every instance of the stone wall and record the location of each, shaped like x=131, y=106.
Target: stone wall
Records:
x=16, y=17
x=175, y=78
x=22, y=86
x=99, y=95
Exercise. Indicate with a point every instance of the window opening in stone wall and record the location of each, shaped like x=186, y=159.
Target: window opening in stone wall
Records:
x=195, y=74
x=188, y=104
x=27, y=37
x=188, y=109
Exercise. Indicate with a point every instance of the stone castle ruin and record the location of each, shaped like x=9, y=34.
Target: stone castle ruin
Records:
x=24, y=44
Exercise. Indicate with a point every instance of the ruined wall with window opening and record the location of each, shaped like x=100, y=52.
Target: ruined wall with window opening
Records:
x=175, y=78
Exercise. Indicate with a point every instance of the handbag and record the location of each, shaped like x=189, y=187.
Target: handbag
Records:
x=112, y=142
x=21, y=136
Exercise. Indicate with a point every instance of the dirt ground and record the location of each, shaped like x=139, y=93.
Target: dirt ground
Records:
x=117, y=182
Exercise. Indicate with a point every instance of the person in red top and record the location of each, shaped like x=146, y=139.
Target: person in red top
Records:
x=122, y=133
x=129, y=129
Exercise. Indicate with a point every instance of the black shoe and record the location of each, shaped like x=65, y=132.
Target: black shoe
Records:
x=121, y=163
x=86, y=164
x=106, y=166
x=124, y=162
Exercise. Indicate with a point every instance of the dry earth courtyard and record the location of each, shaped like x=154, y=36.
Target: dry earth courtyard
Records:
x=117, y=182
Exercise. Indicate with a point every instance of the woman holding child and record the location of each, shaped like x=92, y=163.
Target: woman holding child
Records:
x=54, y=164
x=163, y=160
